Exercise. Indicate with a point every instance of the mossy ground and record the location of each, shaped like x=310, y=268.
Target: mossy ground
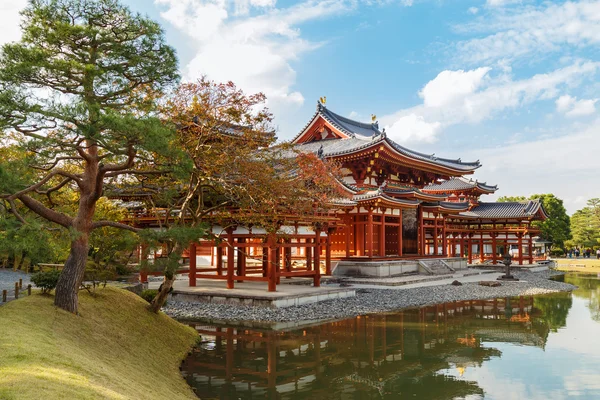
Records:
x=114, y=349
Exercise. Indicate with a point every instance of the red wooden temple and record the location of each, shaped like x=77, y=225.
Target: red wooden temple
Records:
x=402, y=205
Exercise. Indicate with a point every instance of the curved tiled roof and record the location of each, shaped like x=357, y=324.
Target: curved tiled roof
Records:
x=378, y=193
x=508, y=210
x=362, y=135
x=459, y=184
x=457, y=206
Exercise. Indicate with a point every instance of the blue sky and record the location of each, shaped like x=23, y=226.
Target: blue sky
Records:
x=512, y=83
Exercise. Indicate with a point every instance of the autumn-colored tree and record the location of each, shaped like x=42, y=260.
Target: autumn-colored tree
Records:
x=79, y=93
x=233, y=174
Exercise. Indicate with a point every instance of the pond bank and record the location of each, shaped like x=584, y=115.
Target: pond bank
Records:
x=367, y=301
x=114, y=349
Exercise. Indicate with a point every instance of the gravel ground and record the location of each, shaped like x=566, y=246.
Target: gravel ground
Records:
x=8, y=278
x=369, y=301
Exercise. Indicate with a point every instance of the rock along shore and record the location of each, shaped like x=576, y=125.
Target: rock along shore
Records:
x=368, y=301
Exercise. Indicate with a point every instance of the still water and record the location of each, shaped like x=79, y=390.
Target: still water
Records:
x=541, y=347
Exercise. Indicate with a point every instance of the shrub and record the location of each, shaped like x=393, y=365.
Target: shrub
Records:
x=45, y=280
x=557, y=252
x=149, y=294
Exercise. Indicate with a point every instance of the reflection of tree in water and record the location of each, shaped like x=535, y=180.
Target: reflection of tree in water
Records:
x=554, y=308
x=589, y=289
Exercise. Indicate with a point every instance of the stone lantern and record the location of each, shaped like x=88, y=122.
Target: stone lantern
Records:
x=507, y=261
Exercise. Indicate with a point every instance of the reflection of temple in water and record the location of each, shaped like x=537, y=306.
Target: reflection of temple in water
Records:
x=379, y=355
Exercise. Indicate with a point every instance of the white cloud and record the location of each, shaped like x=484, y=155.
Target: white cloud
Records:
x=455, y=97
x=413, y=128
x=473, y=10
x=572, y=107
x=10, y=19
x=451, y=85
x=501, y=3
x=564, y=165
x=251, y=42
x=526, y=31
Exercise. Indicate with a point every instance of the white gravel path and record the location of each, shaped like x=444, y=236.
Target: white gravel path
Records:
x=371, y=300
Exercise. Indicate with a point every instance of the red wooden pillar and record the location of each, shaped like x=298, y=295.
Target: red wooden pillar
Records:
x=382, y=235
x=349, y=219
x=230, y=258
x=494, y=251
x=435, y=234
x=271, y=267
x=481, y=252
x=530, y=246
x=520, y=236
x=462, y=246
x=400, y=234
x=328, y=252
x=219, y=260
x=470, y=249
x=265, y=262
x=317, y=276
x=309, y=251
x=421, y=234
x=370, y=233
x=241, y=258
x=192, y=273
x=444, y=238
x=287, y=256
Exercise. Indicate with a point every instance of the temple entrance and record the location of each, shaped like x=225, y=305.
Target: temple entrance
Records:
x=409, y=232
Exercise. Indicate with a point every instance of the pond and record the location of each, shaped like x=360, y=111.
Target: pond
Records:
x=540, y=347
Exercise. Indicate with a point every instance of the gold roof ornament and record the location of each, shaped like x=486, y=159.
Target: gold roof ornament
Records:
x=323, y=100
x=373, y=117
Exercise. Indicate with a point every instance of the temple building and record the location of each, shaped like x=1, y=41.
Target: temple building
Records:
x=405, y=211
x=405, y=204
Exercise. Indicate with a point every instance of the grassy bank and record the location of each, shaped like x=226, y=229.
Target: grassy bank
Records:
x=585, y=265
x=115, y=349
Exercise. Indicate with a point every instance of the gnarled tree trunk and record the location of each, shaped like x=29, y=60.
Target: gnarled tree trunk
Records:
x=71, y=277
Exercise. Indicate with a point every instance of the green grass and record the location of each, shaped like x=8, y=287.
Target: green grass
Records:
x=115, y=349
x=585, y=265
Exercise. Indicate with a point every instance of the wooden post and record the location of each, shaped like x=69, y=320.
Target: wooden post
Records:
x=370, y=233
x=421, y=231
x=4, y=294
x=29, y=290
x=309, y=252
x=241, y=258
x=470, y=249
x=349, y=219
x=494, y=251
x=382, y=234
x=328, y=252
x=271, y=268
x=400, y=234
x=192, y=273
x=444, y=238
x=317, y=276
x=230, y=258
x=265, y=262
x=435, y=234
x=20, y=283
x=530, y=246
x=481, y=252
x=520, y=236
x=16, y=290
x=219, y=260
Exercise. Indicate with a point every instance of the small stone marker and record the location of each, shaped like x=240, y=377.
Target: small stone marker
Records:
x=490, y=283
x=456, y=283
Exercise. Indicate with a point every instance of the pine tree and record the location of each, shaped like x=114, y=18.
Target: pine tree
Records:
x=79, y=91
